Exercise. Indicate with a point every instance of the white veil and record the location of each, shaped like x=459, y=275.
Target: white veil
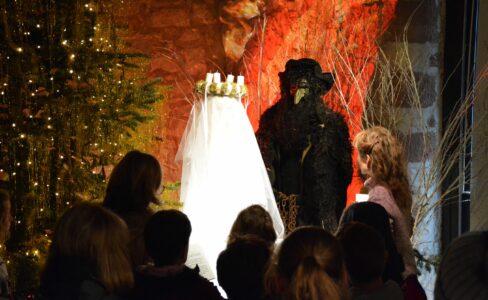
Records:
x=223, y=173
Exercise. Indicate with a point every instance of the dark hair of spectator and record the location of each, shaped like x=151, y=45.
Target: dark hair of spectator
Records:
x=375, y=215
x=364, y=252
x=241, y=268
x=254, y=220
x=133, y=183
x=92, y=238
x=309, y=265
x=166, y=237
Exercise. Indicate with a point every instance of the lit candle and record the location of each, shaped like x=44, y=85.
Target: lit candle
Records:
x=240, y=80
x=209, y=78
x=216, y=77
x=230, y=78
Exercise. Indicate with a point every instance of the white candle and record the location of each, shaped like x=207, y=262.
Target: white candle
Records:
x=209, y=78
x=230, y=78
x=240, y=80
x=216, y=77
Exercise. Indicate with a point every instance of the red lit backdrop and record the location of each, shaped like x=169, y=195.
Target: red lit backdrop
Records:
x=188, y=38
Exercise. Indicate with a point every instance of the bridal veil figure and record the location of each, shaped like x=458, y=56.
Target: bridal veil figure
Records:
x=223, y=170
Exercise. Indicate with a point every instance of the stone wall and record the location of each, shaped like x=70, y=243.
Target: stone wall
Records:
x=479, y=200
x=183, y=39
x=422, y=124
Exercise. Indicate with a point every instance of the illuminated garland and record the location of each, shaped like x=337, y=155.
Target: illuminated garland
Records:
x=233, y=89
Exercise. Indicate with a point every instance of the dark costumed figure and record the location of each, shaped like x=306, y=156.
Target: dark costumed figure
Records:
x=306, y=147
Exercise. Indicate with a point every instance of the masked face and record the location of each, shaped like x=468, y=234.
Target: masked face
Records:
x=299, y=89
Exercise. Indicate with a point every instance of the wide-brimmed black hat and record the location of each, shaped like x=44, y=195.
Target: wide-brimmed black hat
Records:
x=307, y=66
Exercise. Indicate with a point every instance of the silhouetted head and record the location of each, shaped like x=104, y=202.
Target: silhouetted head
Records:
x=241, y=268
x=166, y=237
x=375, y=215
x=89, y=236
x=309, y=265
x=463, y=271
x=253, y=220
x=364, y=252
x=133, y=183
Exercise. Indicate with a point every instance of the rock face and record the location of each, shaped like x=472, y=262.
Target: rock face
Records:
x=185, y=40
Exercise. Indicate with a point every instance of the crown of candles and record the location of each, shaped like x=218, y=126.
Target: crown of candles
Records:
x=213, y=85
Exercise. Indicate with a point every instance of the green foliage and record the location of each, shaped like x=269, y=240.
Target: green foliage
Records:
x=70, y=101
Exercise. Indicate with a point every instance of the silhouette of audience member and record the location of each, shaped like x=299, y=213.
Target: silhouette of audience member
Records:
x=166, y=237
x=382, y=161
x=133, y=185
x=88, y=257
x=365, y=256
x=463, y=272
x=309, y=265
x=5, y=222
x=375, y=215
x=253, y=220
x=241, y=268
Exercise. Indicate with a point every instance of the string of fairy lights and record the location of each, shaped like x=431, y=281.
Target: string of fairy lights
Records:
x=70, y=103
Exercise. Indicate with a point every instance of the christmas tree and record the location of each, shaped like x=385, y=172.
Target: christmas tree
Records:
x=71, y=100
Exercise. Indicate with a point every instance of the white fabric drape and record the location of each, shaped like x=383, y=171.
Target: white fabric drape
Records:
x=223, y=173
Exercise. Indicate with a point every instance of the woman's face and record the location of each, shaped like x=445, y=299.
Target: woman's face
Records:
x=363, y=165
